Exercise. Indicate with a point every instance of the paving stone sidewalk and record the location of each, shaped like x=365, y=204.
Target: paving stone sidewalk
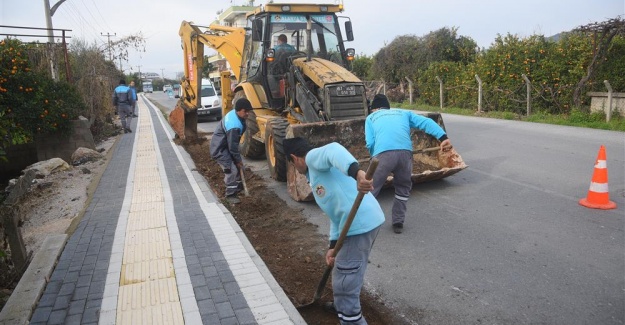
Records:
x=156, y=247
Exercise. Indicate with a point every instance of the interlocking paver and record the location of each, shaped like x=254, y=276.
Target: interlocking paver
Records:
x=155, y=245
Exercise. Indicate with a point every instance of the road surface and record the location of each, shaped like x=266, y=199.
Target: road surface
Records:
x=504, y=241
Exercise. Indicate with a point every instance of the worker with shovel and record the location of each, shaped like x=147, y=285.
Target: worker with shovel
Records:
x=387, y=136
x=224, y=147
x=337, y=182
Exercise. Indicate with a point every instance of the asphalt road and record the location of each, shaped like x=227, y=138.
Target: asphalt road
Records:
x=504, y=241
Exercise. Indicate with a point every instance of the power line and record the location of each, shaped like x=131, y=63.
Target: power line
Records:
x=99, y=13
x=74, y=15
x=90, y=14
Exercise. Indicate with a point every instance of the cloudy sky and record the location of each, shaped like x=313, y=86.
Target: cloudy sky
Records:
x=376, y=23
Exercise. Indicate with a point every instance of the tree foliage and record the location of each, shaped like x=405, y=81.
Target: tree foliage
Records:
x=361, y=67
x=409, y=55
x=118, y=50
x=601, y=35
x=560, y=70
x=95, y=78
x=31, y=103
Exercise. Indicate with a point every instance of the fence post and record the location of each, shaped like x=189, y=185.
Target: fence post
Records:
x=608, y=114
x=440, y=90
x=68, y=69
x=529, y=94
x=409, y=89
x=479, y=93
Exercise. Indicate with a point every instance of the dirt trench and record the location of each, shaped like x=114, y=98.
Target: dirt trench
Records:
x=290, y=246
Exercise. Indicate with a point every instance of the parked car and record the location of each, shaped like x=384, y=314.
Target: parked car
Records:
x=211, y=103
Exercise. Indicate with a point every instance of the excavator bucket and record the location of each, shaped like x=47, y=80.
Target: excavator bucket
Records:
x=183, y=121
x=429, y=162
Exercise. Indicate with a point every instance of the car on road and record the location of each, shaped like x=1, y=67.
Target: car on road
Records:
x=167, y=87
x=211, y=103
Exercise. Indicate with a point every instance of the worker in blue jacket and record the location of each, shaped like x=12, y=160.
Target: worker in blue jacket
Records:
x=335, y=178
x=123, y=101
x=134, y=96
x=387, y=136
x=224, y=147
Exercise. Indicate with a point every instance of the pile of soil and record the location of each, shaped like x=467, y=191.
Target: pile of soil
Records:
x=290, y=246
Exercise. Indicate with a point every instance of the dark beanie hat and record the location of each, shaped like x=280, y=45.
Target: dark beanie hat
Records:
x=242, y=103
x=296, y=146
x=380, y=101
x=122, y=82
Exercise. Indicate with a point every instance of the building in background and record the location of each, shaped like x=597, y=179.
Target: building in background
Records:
x=150, y=75
x=233, y=16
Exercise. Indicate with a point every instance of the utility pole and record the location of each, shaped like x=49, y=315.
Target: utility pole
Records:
x=162, y=75
x=49, y=12
x=108, y=36
x=139, y=67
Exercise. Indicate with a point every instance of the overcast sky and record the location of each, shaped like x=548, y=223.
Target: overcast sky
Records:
x=376, y=23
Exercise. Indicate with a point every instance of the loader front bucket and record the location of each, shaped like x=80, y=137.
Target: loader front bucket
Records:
x=183, y=121
x=428, y=163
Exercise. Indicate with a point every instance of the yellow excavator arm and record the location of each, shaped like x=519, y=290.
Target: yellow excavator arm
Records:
x=228, y=41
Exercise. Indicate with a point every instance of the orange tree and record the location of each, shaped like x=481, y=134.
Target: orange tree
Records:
x=31, y=103
x=553, y=67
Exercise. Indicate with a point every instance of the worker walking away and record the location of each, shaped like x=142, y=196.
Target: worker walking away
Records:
x=134, y=97
x=224, y=147
x=335, y=178
x=387, y=136
x=123, y=102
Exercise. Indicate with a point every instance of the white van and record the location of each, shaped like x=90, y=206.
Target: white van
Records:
x=211, y=102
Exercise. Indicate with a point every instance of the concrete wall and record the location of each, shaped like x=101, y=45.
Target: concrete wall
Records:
x=599, y=102
x=44, y=148
x=64, y=146
x=18, y=157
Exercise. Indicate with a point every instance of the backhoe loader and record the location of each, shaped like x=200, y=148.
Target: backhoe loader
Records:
x=305, y=89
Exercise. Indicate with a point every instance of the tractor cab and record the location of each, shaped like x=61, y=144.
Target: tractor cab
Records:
x=282, y=33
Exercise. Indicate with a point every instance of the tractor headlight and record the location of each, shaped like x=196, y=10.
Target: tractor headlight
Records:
x=270, y=56
x=349, y=54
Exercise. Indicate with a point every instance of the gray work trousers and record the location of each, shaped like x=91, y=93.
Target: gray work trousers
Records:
x=348, y=275
x=232, y=179
x=398, y=162
x=125, y=115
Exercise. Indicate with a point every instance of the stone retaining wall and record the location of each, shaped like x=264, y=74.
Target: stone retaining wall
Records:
x=18, y=157
x=64, y=146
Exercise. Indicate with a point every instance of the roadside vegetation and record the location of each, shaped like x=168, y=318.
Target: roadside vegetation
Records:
x=561, y=70
x=578, y=118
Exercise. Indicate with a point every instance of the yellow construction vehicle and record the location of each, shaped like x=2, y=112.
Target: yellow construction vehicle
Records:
x=301, y=88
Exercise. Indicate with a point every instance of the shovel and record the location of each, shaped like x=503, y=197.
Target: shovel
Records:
x=339, y=243
x=243, y=180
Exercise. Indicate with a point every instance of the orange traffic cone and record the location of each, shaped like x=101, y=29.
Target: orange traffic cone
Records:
x=598, y=195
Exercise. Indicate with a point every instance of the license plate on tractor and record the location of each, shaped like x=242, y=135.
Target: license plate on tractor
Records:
x=346, y=91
